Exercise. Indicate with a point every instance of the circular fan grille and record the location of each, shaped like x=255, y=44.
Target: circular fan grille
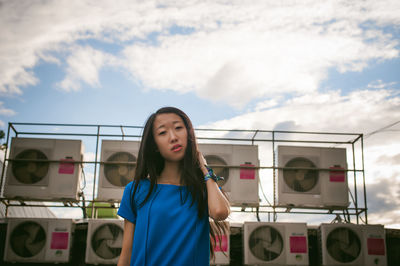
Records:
x=300, y=180
x=27, y=239
x=120, y=174
x=219, y=171
x=266, y=243
x=107, y=241
x=343, y=245
x=30, y=172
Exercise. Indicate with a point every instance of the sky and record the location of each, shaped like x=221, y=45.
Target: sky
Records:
x=320, y=66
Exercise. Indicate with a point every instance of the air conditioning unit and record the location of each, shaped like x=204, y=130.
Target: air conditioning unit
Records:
x=38, y=240
x=104, y=241
x=275, y=243
x=36, y=178
x=350, y=244
x=114, y=174
x=241, y=180
x=308, y=187
x=221, y=251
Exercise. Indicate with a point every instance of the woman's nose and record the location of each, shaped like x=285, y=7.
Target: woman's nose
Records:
x=172, y=136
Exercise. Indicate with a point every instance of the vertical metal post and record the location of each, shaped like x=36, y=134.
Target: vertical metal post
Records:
x=6, y=211
x=363, y=173
x=355, y=182
x=95, y=169
x=273, y=174
x=4, y=163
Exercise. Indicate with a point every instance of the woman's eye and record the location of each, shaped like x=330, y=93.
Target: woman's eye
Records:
x=161, y=133
x=179, y=127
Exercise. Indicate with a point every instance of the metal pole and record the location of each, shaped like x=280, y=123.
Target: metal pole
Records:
x=355, y=183
x=95, y=170
x=273, y=173
x=4, y=163
x=363, y=173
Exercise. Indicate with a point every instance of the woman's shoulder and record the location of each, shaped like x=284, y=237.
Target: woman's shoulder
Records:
x=138, y=187
x=140, y=183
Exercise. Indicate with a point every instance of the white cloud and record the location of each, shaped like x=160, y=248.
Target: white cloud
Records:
x=256, y=58
x=6, y=111
x=234, y=51
x=360, y=111
x=379, y=84
x=84, y=65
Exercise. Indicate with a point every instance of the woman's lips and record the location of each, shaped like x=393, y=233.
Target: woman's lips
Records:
x=176, y=148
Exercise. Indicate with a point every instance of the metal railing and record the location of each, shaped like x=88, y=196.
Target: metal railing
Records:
x=253, y=137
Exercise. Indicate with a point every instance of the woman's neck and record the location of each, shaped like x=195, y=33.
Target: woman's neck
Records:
x=171, y=174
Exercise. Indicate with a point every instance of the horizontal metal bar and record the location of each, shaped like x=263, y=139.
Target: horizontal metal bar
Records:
x=211, y=165
x=72, y=125
x=78, y=134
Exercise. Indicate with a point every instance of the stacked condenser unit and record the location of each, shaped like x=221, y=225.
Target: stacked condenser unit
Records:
x=117, y=169
x=104, y=241
x=238, y=165
x=312, y=177
x=44, y=169
x=38, y=240
x=351, y=244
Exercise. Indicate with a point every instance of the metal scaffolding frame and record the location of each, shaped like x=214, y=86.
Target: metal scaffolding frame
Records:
x=274, y=137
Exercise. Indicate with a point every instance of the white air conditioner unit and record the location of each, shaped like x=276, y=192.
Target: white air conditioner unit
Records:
x=308, y=187
x=114, y=174
x=221, y=251
x=351, y=244
x=275, y=243
x=104, y=241
x=241, y=183
x=31, y=176
x=38, y=240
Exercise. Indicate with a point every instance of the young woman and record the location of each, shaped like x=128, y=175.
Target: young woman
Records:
x=167, y=206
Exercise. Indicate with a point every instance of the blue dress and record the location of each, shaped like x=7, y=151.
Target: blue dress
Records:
x=168, y=231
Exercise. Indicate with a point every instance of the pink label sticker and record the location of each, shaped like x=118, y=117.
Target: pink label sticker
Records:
x=67, y=166
x=247, y=173
x=337, y=176
x=298, y=244
x=224, y=244
x=376, y=246
x=59, y=240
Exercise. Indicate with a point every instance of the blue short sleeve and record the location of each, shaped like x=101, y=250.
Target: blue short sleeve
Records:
x=125, y=209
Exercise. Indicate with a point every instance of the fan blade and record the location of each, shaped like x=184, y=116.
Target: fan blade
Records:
x=275, y=246
x=113, y=176
x=31, y=154
x=22, y=174
x=116, y=242
x=123, y=157
x=104, y=232
x=104, y=251
x=18, y=243
x=123, y=181
x=289, y=177
x=35, y=241
x=35, y=247
x=41, y=170
x=307, y=183
x=352, y=250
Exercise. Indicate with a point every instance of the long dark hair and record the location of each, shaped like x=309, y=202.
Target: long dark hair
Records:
x=150, y=163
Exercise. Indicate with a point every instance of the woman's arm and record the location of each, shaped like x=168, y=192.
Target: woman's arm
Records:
x=127, y=242
x=218, y=204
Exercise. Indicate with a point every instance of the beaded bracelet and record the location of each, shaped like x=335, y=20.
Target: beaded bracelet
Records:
x=211, y=175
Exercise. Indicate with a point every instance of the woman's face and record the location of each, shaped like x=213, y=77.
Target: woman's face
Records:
x=170, y=136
